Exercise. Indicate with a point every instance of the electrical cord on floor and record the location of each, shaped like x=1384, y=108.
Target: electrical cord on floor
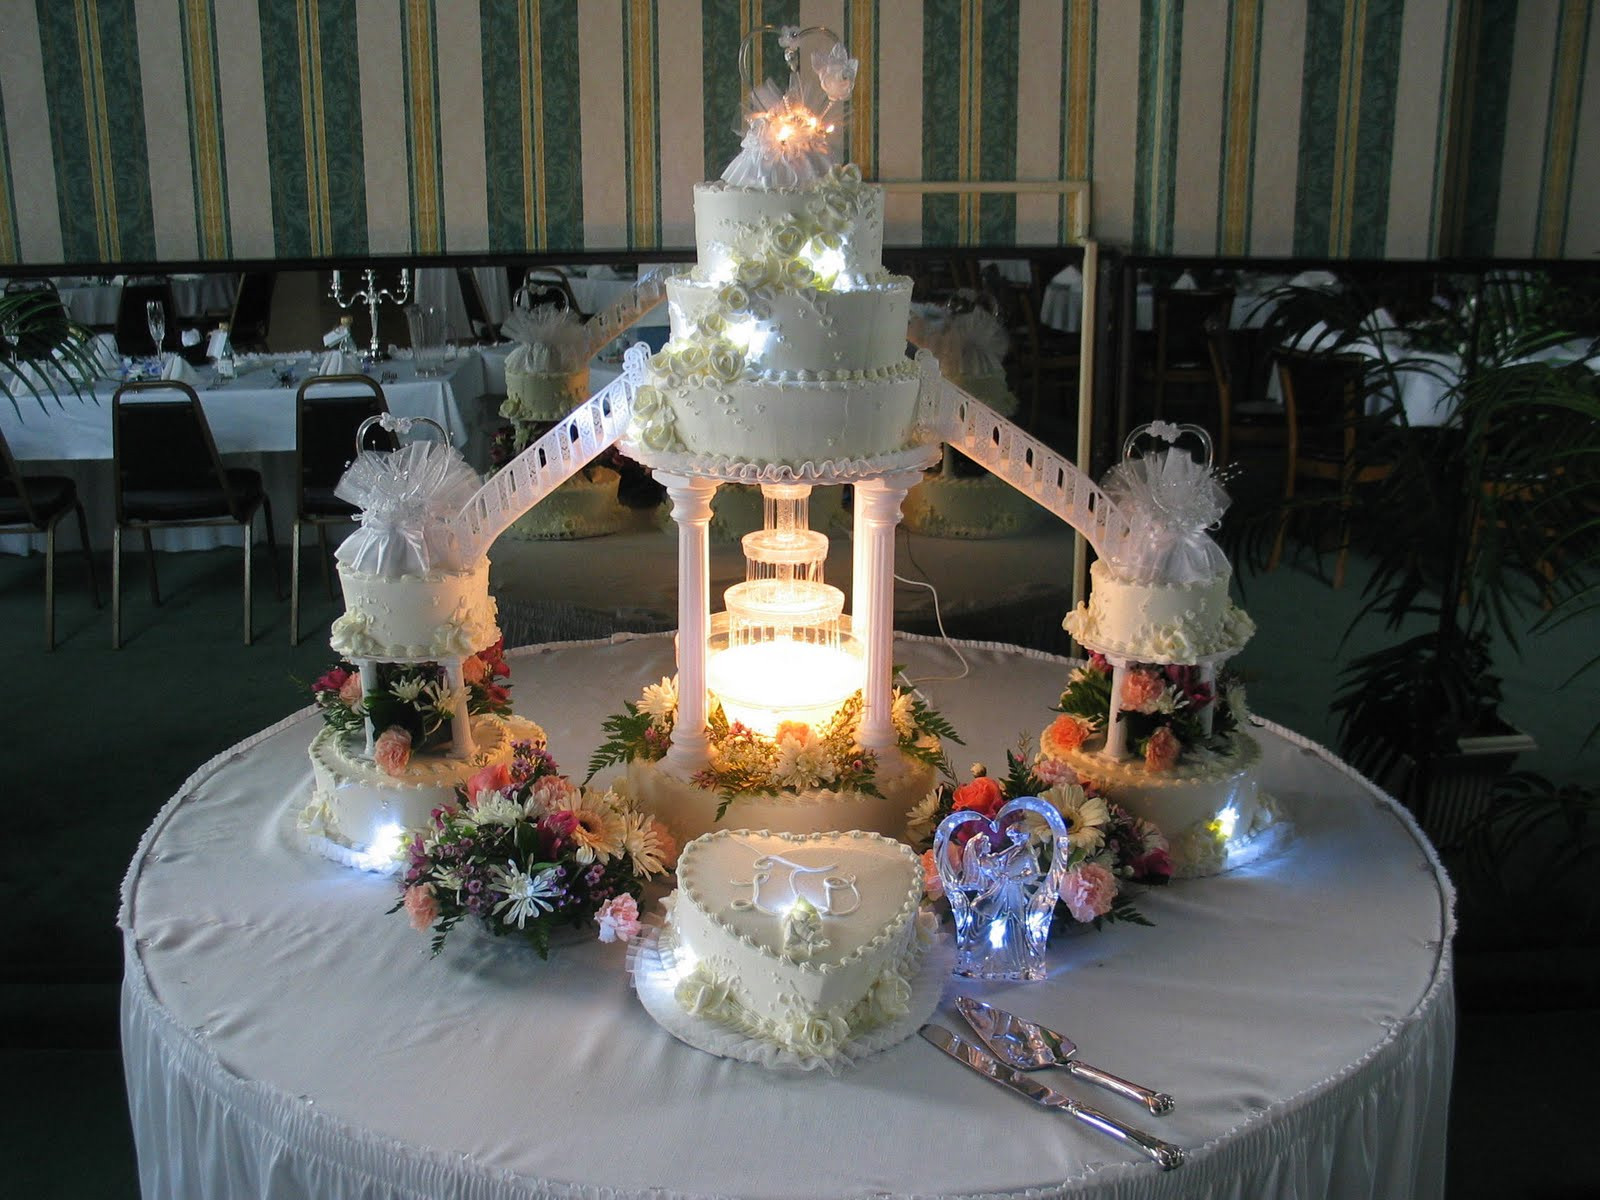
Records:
x=938, y=620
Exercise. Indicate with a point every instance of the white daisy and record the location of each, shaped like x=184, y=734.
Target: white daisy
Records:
x=407, y=690
x=903, y=714
x=526, y=895
x=494, y=808
x=646, y=844
x=919, y=821
x=1086, y=816
x=803, y=762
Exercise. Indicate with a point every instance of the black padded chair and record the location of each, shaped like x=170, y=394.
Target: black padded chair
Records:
x=36, y=504
x=167, y=473
x=1246, y=417
x=133, y=327
x=1182, y=362
x=329, y=410
x=251, y=318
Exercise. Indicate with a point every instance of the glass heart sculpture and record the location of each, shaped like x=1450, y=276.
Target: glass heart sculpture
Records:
x=1002, y=893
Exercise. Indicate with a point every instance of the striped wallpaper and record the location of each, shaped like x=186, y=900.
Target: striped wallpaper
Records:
x=215, y=129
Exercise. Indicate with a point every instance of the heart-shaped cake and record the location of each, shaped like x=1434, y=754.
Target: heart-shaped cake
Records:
x=805, y=940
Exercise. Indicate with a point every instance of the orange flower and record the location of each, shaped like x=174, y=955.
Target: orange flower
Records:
x=1162, y=750
x=982, y=795
x=1066, y=733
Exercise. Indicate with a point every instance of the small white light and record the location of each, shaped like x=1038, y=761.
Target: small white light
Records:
x=749, y=336
x=383, y=849
x=1227, y=822
x=825, y=261
x=681, y=966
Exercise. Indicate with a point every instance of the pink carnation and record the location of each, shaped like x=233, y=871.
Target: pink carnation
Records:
x=1066, y=734
x=666, y=844
x=1051, y=771
x=1162, y=750
x=553, y=792
x=392, y=751
x=932, y=883
x=618, y=918
x=350, y=690
x=421, y=906
x=1088, y=891
x=1141, y=689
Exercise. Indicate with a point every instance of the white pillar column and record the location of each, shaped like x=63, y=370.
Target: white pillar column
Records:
x=1116, y=732
x=368, y=671
x=1208, y=674
x=461, y=744
x=691, y=509
x=877, y=513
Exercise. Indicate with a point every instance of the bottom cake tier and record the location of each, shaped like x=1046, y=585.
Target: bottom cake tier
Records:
x=359, y=813
x=983, y=506
x=583, y=507
x=690, y=811
x=1209, y=805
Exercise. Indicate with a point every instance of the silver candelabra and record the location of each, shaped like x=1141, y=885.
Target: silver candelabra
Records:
x=372, y=295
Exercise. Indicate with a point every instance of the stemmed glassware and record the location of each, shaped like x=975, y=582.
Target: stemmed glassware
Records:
x=156, y=318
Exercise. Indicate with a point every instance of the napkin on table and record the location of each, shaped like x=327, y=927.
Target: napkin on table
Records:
x=178, y=370
x=1069, y=276
x=338, y=362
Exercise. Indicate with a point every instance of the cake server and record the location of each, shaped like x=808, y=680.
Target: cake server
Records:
x=1027, y=1047
x=1164, y=1154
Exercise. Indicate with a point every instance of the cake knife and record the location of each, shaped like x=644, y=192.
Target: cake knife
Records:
x=1027, y=1047
x=1164, y=1154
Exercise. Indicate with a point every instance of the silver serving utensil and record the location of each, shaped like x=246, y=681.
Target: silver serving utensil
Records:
x=1027, y=1046
x=1164, y=1154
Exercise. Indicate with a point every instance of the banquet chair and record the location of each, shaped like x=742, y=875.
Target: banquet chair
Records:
x=547, y=285
x=1182, y=360
x=483, y=329
x=133, y=329
x=167, y=473
x=36, y=504
x=251, y=318
x=1049, y=360
x=328, y=411
x=1244, y=419
x=1323, y=398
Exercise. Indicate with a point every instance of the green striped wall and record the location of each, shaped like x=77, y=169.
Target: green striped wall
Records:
x=211, y=129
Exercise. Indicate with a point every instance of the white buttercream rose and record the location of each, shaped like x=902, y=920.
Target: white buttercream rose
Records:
x=725, y=362
x=798, y=273
x=702, y=994
x=788, y=239
x=753, y=273
x=819, y=1034
x=891, y=995
x=734, y=298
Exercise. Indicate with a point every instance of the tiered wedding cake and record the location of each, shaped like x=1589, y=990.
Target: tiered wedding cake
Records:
x=1151, y=719
x=416, y=705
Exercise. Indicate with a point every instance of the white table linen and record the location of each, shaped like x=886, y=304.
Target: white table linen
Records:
x=282, y=1036
x=252, y=420
x=440, y=287
x=1061, y=307
x=194, y=295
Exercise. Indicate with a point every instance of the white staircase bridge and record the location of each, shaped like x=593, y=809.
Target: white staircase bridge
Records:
x=948, y=413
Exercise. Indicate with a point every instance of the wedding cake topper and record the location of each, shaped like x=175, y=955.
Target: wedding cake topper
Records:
x=786, y=131
x=408, y=499
x=1171, y=500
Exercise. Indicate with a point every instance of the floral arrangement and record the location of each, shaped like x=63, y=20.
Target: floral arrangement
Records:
x=412, y=703
x=1110, y=850
x=797, y=758
x=525, y=852
x=1162, y=706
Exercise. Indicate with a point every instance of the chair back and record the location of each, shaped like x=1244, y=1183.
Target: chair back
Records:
x=163, y=445
x=1180, y=324
x=1322, y=398
x=13, y=494
x=329, y=411
x=547, y=285
x=252, y=310
x=1219, y=346
x=472, y=300
x=133, y=329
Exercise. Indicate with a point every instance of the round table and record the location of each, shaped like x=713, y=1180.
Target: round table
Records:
x=283, y=1036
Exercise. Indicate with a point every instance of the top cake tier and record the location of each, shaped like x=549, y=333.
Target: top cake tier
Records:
x=415, y=618
x=1159, y=622
x=835, y=224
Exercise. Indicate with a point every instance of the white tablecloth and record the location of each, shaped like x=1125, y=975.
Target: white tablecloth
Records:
x=96, y=303
x=252, y=420
x=440, y=287
x=282, y=1036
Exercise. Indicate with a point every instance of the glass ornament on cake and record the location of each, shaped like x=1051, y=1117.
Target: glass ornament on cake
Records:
x=782, y=650
x=1002, y=895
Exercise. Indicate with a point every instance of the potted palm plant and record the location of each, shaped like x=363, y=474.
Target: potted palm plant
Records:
x=42, y=349
x=1466, y=523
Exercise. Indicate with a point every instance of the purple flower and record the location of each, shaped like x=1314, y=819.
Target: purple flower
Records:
x=474, y=886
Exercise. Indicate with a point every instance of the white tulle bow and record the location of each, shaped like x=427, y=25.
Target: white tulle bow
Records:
x=967, y=344
x=407, y=499
x=552, y=340
x=1171, y=501
x=785, y=143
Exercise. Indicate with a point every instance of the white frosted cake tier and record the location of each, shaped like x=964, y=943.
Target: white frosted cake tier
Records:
x=791, y=421
x=734, y=224
x=1208, y=804
x=539, y=396
x=805, y=329
x=1159, y=623
x=357, y=805
x=415, y=618
x=690, y=811
x=585, y=506
x=981, y=506
x=805, y=940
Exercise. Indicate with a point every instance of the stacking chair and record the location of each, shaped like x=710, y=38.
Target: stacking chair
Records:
x=36, y=504
x=483, y=329
x=167, y=473
x=1182, y=360
x=251, y=318
x=547, y=285
x=1245, y=419
x=1323, y=398
x=329, y=411
x=133, y=329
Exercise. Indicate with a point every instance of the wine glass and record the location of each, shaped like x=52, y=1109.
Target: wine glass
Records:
x=156, y=318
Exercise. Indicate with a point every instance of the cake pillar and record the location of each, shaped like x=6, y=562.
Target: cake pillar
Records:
x=691, y=509
x=368, y=671
x=1208, y=676
x=1116, y=732
x=461, y=744
x=877, y=513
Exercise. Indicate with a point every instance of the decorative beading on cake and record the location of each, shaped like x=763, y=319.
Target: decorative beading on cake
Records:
x=439, y=614
x=1160, y=622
